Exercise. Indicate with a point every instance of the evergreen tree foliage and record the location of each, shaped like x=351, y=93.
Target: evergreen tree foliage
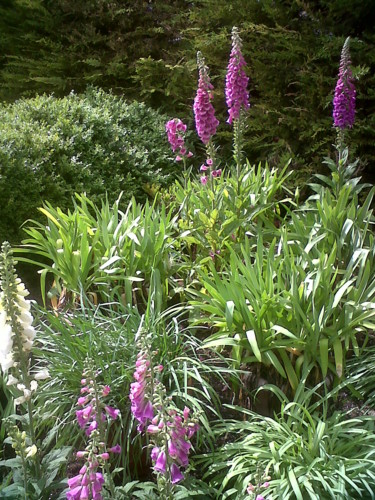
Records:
x=147, y=50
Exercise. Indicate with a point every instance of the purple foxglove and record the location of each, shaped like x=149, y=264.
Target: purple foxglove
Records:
x=204, y=112
x=112, y=412
x=115, y=449
x=236, y=82
x=75, y=481
x=344, y=99
x=155, y=453
x=141, y=406
x=74, y=494
x=175, y=130
x=176, y=474
x=161, y=462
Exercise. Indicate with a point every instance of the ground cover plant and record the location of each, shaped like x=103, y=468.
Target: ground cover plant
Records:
x=196, y=346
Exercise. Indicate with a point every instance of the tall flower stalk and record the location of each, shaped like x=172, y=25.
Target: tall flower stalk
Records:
x=169, y=429
x=343, y=109
x=176, y=130
x=205, y=121
x=345, y=93
x=93, y=416
x=237, y=96
x=16, y=339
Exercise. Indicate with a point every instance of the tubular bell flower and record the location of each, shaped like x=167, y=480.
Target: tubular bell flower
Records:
x=169, y=430
x=16, y=331
x=93, y=417
x=236, y=82
x=86, y=485
x=204, y=112
x=141, y=405
x=177, y=433
x=344, y=99
x=175, y=131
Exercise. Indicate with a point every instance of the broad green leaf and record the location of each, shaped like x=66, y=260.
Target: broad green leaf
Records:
x=251, y=337
x=229, y=308
x=323, y=349
x=337, y=349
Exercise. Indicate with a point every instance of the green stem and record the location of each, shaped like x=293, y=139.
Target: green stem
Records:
x=340, y=167
x=211, y=154
x=102, y=433
x=24, y=468
x=185, y=172
x=237, y=139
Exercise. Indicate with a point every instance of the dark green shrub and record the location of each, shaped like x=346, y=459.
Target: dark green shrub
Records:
x=96, y=142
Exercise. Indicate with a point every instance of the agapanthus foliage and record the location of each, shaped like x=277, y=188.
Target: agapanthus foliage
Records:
x=205, y=121
x=236, y=81
x=345, y=93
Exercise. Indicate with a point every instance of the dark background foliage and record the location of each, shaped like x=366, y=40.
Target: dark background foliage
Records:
x=146, y=50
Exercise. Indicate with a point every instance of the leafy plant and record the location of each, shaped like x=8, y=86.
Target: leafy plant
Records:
x=104, y=253
x=307, y=455
x=285, y=310
x=212, y=220
x=96, y=143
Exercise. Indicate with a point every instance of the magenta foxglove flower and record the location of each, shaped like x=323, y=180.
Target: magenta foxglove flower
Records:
x=204, y=112
x=179, y=431
x=236, y=82
x=176, y=474
x=115, y=449
x=112, y=412
x=175, y=132
x=161, y=462
x=344, y=99
x=141, y=405
x=86, y=485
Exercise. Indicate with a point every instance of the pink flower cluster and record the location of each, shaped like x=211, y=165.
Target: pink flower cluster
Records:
x=179, y=431
x=208, y=166
x=237, y=96
x=345, y=94
x=205, y=120
x=253, y=490
x=88, y=417
x=87, y=484
x=141, y=405
x=175, y=131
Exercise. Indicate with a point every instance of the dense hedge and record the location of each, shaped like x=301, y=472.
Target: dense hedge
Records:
x=146, y=50
x=97, y=143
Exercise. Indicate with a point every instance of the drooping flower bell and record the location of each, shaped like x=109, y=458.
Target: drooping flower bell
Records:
x=345, y=94
x=236, y=82
x=205, y=121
